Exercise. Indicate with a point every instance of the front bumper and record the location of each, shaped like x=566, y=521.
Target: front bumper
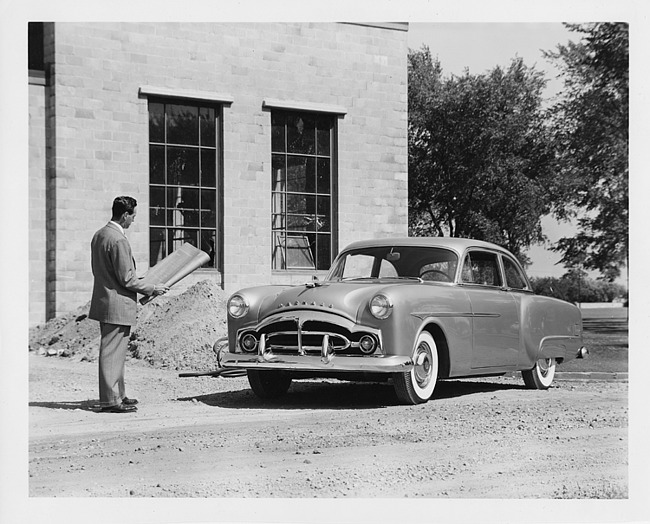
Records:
x=378, y=364
x=327, y=361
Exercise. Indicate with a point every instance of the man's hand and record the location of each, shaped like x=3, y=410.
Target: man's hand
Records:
x=160, y=289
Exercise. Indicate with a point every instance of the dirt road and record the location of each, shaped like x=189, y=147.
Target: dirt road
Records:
x=207, y=437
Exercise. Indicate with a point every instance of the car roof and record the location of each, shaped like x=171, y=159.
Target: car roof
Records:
x=454, y=243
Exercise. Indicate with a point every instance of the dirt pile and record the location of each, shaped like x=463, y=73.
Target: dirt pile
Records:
x=175, y=332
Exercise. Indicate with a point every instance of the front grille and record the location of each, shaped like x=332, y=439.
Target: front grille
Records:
x=284, y=343
x=293, y=337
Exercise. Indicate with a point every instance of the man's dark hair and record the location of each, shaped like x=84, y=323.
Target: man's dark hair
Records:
x=123, y=204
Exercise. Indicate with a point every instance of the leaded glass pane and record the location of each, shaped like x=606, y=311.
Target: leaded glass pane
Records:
x=301, y=223
x=209, y=168
x=178, y=237
x=323, y=176
x=208, y=132
x=324, y=213
x=301, y=131
x=323, y=251
x=278, y=173
x=301, y=175
x=157, y=164
x=157, y=246
x=323, y=136
x=299, y=252
x=209, y=245
x=183, y=166
x=182, y=124
x=301, y=203
x=156, y=122
x=277, y=209
x=278, y=251
x=183, y=206
x=208, y=208
x=278, y=132
x=157, y=206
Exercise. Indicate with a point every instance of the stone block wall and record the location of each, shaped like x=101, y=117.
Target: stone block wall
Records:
x=99, y=132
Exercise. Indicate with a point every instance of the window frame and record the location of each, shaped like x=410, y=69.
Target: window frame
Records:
x=521, y=272
x=499, y=269
x=283, y=193
x=217, y=105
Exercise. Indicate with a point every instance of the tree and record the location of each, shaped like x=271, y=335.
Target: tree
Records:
x=591, y=128
x=481, y=160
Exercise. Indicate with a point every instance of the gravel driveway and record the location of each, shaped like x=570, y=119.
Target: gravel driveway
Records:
x=211, y=437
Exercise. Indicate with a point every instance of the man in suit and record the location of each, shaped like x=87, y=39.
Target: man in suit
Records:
x=114, y=302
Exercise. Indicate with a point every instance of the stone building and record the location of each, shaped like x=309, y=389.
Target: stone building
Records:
x=268, y=145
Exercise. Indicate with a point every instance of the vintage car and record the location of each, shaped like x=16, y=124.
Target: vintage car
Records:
x=408, y=310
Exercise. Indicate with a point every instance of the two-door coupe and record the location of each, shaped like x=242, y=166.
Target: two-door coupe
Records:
x=411, y=310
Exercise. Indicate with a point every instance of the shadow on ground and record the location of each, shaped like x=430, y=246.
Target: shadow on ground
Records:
x=84, y=405
x=343, y=395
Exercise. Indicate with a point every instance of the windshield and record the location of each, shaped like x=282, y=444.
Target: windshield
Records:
x=426, y=263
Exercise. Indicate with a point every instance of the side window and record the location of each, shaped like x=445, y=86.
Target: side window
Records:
x=514, y=278
x=482, y=268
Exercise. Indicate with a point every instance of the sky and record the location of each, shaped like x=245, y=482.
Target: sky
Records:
x=479, y=47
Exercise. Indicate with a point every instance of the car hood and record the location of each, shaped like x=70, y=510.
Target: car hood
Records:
x=347, y=299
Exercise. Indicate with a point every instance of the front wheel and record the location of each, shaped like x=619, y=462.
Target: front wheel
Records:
x=416, y=386
x=268, y=384
x=541, y=376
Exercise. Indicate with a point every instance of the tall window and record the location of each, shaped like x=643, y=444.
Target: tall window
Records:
x=302, y=147
x=183, y=178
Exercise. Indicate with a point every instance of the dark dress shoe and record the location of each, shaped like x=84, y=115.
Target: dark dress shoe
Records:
x=129, y=401
x=119, y=408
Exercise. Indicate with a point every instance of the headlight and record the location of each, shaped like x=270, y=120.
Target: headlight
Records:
x=237, y=306
x=380, y=307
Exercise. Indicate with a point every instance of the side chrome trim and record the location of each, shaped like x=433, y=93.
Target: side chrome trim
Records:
x=454, y=314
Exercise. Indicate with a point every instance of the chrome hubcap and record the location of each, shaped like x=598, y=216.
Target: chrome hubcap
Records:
x=422, y=365
x=544, y=365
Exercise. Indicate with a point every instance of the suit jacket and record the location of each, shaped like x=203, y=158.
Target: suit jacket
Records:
x=116, y=284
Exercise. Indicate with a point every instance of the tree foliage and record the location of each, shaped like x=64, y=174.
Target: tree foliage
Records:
x=575, y=286
x=591, y=126
x=481, y=160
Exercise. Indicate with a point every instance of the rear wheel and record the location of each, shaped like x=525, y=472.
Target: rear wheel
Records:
x=541, y=376
x=268, y=384
x=416, y=386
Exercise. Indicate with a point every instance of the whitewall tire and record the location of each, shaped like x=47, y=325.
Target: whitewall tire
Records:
x=541, y=376
x=416, y=386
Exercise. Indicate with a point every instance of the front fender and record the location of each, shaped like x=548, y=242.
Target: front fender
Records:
x=417, y=308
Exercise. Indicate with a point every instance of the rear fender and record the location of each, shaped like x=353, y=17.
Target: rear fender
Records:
x=551, y=328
